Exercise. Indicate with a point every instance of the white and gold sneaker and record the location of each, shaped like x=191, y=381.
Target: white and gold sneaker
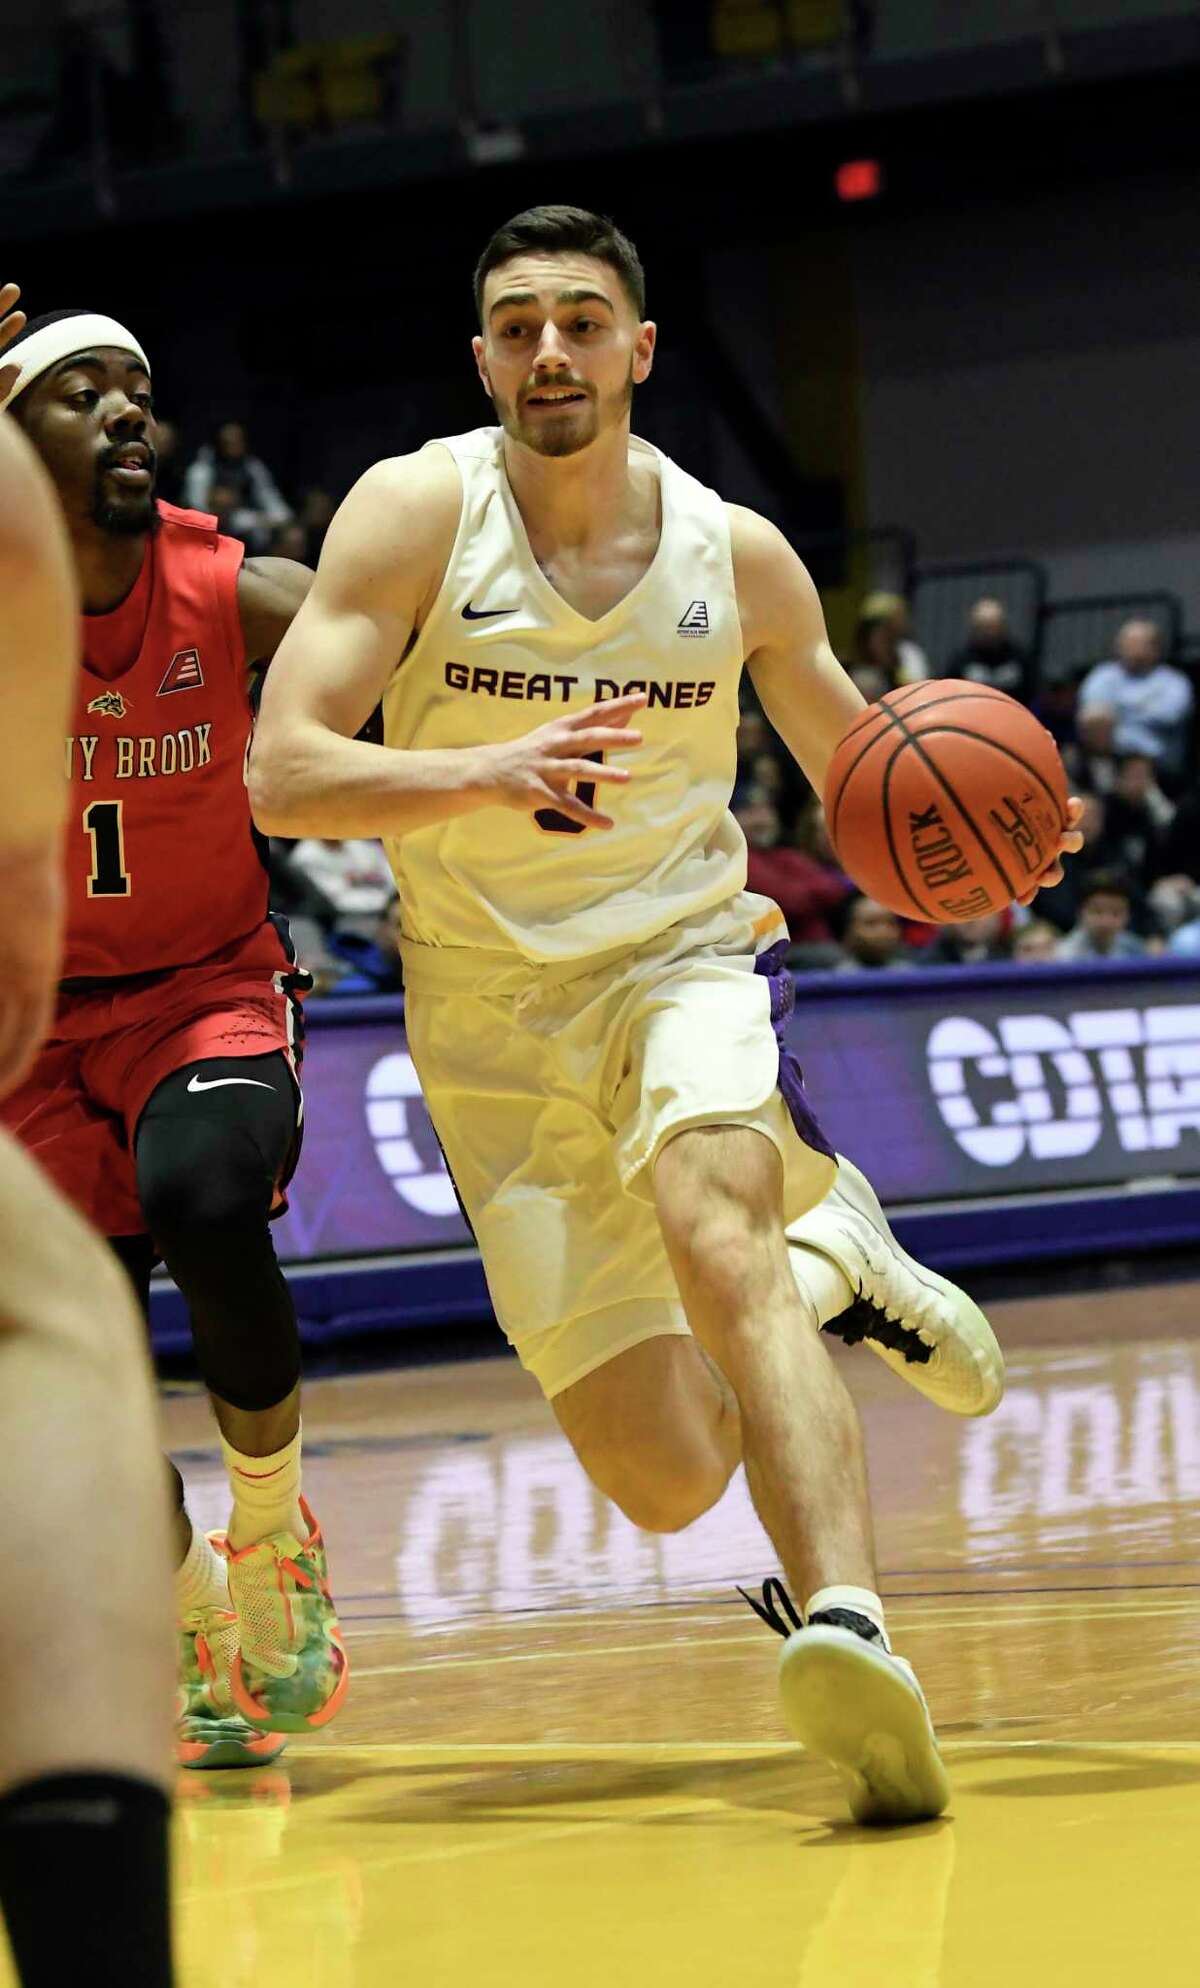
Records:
x=925, y=1329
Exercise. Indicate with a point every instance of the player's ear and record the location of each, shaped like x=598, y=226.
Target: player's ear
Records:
x=643, y=351
x=481, y=363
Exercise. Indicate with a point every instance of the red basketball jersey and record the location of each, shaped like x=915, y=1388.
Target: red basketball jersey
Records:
x=162, y=863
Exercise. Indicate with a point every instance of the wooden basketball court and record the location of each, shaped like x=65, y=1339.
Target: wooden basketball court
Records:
x=562, y=1759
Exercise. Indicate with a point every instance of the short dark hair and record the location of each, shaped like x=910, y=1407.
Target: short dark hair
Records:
x=1106, y=883
x=565, y=229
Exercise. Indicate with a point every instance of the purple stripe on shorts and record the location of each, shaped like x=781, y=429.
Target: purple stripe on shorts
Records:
x=791, y=1078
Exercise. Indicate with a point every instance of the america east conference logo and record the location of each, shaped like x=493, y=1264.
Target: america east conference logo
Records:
x=1052, y=1086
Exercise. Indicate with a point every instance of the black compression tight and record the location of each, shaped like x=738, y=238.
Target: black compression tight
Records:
x=212, y=1142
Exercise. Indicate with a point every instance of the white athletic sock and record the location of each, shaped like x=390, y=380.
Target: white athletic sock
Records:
x=825, y=1282
x=862, y=1601
x=266, y=1493
x=201, y=1581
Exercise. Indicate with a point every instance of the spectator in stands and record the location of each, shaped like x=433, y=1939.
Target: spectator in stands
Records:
x=805, y=890
x=1184, y=942
x=989, y=654
x=258, y=510
x=1138, y=703
x=369, y=955
x=1173, y=901
x=874, y=664
x=1055, y=705
x=354, y=876
x=310, y=915
x=168, y=470
x=1105, y=903
x=290, y=542
x=1138, y=813
x=1061, y=902
x=762, y=762
x=316, y=515
x=222, y=505
x=912, y=664
x=1035, y=942
x=973, y=943
x=872, y=941
x=753, y=736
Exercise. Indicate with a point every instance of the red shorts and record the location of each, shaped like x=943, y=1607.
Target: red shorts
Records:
x=111, y=1046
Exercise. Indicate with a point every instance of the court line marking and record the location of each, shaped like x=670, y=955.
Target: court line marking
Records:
x=1031, y=1604
x=483, y=1751
x=590, y=1653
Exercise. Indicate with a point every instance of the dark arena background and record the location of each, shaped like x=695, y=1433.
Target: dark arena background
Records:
x=925, y=281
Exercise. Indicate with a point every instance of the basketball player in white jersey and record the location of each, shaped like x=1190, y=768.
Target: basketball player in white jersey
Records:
x=87, y=1654
x=556, y=619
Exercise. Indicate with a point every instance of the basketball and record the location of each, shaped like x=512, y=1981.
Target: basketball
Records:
x=945, y=800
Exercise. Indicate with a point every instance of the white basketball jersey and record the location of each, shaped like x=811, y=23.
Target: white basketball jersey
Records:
x=500, y=654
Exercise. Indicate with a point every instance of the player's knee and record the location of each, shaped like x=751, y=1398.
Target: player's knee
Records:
x=664, y=1491
x=671, y=1502
x=205, y=1188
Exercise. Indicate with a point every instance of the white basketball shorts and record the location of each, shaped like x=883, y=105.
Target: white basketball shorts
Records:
x=554, y=1088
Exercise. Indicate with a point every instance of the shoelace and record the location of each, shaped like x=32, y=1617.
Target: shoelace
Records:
x=865, y=1319
x=776, y=1609
x=779, y=1612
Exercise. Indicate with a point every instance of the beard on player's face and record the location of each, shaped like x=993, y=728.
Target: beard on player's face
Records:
x=124, y=517
x=578, y=424
x=123, y=513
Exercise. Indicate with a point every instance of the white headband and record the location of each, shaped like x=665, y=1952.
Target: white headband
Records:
x=34, y=355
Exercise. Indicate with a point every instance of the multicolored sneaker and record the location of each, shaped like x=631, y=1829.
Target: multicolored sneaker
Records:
x=291, y=1671
x=208, y=1731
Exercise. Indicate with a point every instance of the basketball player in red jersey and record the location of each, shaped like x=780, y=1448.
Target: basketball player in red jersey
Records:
x=165, y=1101
x=84, y=1748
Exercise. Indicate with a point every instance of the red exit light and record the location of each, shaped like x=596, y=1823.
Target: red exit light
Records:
x=859, y=179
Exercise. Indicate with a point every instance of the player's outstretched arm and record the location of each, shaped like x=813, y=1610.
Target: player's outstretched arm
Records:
x=39, y=658
x=381, y=568
x=803, y=688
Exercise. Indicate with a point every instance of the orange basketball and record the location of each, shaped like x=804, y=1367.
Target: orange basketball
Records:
x=945, y=800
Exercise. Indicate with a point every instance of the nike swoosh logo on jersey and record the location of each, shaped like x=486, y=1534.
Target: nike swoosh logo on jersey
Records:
x=485, y=613
x=215, y=1083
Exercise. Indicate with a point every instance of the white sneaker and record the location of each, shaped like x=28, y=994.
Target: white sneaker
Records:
x=927, y=1330
x=852, y=1702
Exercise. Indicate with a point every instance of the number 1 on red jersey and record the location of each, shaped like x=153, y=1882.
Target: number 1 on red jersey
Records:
x=109, y=876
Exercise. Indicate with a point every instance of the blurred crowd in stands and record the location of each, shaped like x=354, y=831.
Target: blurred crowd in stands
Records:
x=1126, y=731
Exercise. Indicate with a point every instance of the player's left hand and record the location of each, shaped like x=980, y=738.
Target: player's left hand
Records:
x=11, y=322
x=1070, y=842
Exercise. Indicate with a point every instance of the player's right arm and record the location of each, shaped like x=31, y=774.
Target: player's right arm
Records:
x=380, y=570
x=39, y=659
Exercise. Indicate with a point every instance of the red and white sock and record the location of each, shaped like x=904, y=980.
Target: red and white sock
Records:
x=266, y=1493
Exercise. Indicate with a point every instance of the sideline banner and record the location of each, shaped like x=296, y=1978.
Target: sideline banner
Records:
x=940, y=1085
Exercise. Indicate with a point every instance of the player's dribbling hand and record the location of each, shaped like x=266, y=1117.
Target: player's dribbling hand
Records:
x=1070, y=842
x=540, y=770
x=11, y=322
x=31, y=922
